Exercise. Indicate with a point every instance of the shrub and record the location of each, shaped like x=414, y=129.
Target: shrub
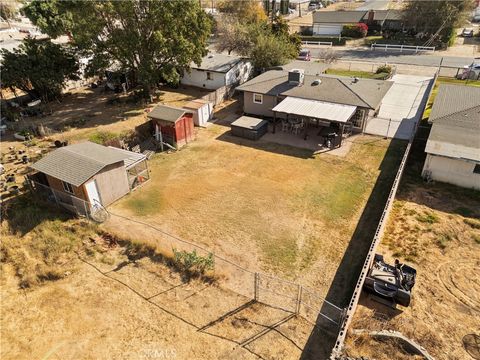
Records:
x=193, y=262
x=384, y=69
x=101, y=137
x=355, y=31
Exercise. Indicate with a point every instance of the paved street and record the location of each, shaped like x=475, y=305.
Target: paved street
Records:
x=365, y=54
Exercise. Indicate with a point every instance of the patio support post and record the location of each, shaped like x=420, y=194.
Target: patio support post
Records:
x=274, y=121
x=307, y=125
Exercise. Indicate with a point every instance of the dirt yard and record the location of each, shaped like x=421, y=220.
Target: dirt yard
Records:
x=436, y=229
x=116, y=307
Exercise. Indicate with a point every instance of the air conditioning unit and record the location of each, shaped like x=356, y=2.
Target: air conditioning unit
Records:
x=296, y=76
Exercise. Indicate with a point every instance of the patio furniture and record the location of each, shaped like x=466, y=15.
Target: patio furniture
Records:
x=285, y=126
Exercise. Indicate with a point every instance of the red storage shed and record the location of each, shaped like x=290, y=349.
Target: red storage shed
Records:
x=172, y=125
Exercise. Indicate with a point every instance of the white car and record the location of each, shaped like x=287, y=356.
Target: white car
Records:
x=471, y=71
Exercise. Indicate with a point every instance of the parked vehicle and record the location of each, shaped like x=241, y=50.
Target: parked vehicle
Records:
x=314, y=5
x=304, y=55
x=467, y=32
x=391, y=282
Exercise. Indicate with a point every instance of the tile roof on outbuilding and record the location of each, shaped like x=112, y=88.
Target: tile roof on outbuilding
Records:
x=456, y=122
x=367, y=93
x=166, y=113
x=77, y=163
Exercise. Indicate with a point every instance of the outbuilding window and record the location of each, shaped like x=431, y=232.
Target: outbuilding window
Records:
x=67, y=187
x=476, y=169
x=258, y=98
x=209, y=76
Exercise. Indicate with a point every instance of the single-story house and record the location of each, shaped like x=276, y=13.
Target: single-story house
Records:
x=218, y=70
x=91, y=172
x=343, y=100
x=172, y=125
x=331, y=23
x=309, y=67
x=453, y=146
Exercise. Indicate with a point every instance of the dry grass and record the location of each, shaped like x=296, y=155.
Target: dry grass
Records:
x=40, y=241
x=434, y=228
x=266, y=205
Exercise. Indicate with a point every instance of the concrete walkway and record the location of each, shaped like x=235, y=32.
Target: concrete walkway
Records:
x=401, y=108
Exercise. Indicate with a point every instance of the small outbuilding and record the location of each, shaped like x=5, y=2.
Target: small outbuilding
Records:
x=202, y=111
x=249, y=127
x=172, y=125
x=94, y=173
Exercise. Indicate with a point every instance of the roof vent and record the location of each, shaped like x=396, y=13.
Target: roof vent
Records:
x=355, y=79
x=316, y=82
x=296, y=76
x=210, y=56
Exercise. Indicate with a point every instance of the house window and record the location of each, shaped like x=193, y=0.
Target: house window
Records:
x=209, y=76
x=357, y=119
x=67, y=187
x=476, y=169
x=258, y=98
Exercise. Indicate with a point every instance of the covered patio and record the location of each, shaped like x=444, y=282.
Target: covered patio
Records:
x=322, y=124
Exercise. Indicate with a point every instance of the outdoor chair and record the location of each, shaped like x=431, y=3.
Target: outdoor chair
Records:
x=285, y=126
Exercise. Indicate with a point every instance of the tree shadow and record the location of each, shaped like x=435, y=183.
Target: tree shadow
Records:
x=24, y=212
x=322, y=339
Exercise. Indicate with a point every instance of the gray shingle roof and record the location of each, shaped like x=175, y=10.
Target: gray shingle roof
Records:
x=382, y=15
x=335, y=89
x=338, y=17
x=166, y=113
x=217, y=62
x=310, y=67
x=456, y=122
x=77, y=163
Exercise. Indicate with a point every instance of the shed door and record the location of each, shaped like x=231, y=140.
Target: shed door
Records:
x=92, y=192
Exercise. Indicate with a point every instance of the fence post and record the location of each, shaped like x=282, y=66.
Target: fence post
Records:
x=299, y=299
x=388, y=128
x=255, y=286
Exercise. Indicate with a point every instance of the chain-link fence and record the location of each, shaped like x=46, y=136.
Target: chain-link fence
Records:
x=264, y=288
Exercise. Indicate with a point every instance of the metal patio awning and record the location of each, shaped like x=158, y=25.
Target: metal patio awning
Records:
x=316, y=109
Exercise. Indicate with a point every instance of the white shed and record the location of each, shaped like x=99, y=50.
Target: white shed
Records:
x=202, y=111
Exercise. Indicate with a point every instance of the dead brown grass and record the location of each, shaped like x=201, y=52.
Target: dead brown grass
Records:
x=431, y=228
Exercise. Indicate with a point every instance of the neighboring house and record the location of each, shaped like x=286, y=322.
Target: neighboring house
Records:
x=453, y=146
x=93, y=173
x=331, y=23
x=217, y=70
x=172, y=125
x=277, y=93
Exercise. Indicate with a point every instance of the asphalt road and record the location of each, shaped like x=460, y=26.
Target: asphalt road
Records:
x=395, y=57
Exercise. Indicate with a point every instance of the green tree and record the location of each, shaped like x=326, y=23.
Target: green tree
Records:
x=437, y=19
x=269, y=51
x=39, y=67
x=157, y=40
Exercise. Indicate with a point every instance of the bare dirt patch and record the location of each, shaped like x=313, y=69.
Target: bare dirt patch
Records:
x=436, y=228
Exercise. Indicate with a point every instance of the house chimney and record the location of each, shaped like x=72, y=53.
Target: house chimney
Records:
x=296, y=76
x=371, y=16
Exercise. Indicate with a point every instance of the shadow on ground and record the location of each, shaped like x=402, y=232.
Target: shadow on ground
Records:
x=322, y=339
